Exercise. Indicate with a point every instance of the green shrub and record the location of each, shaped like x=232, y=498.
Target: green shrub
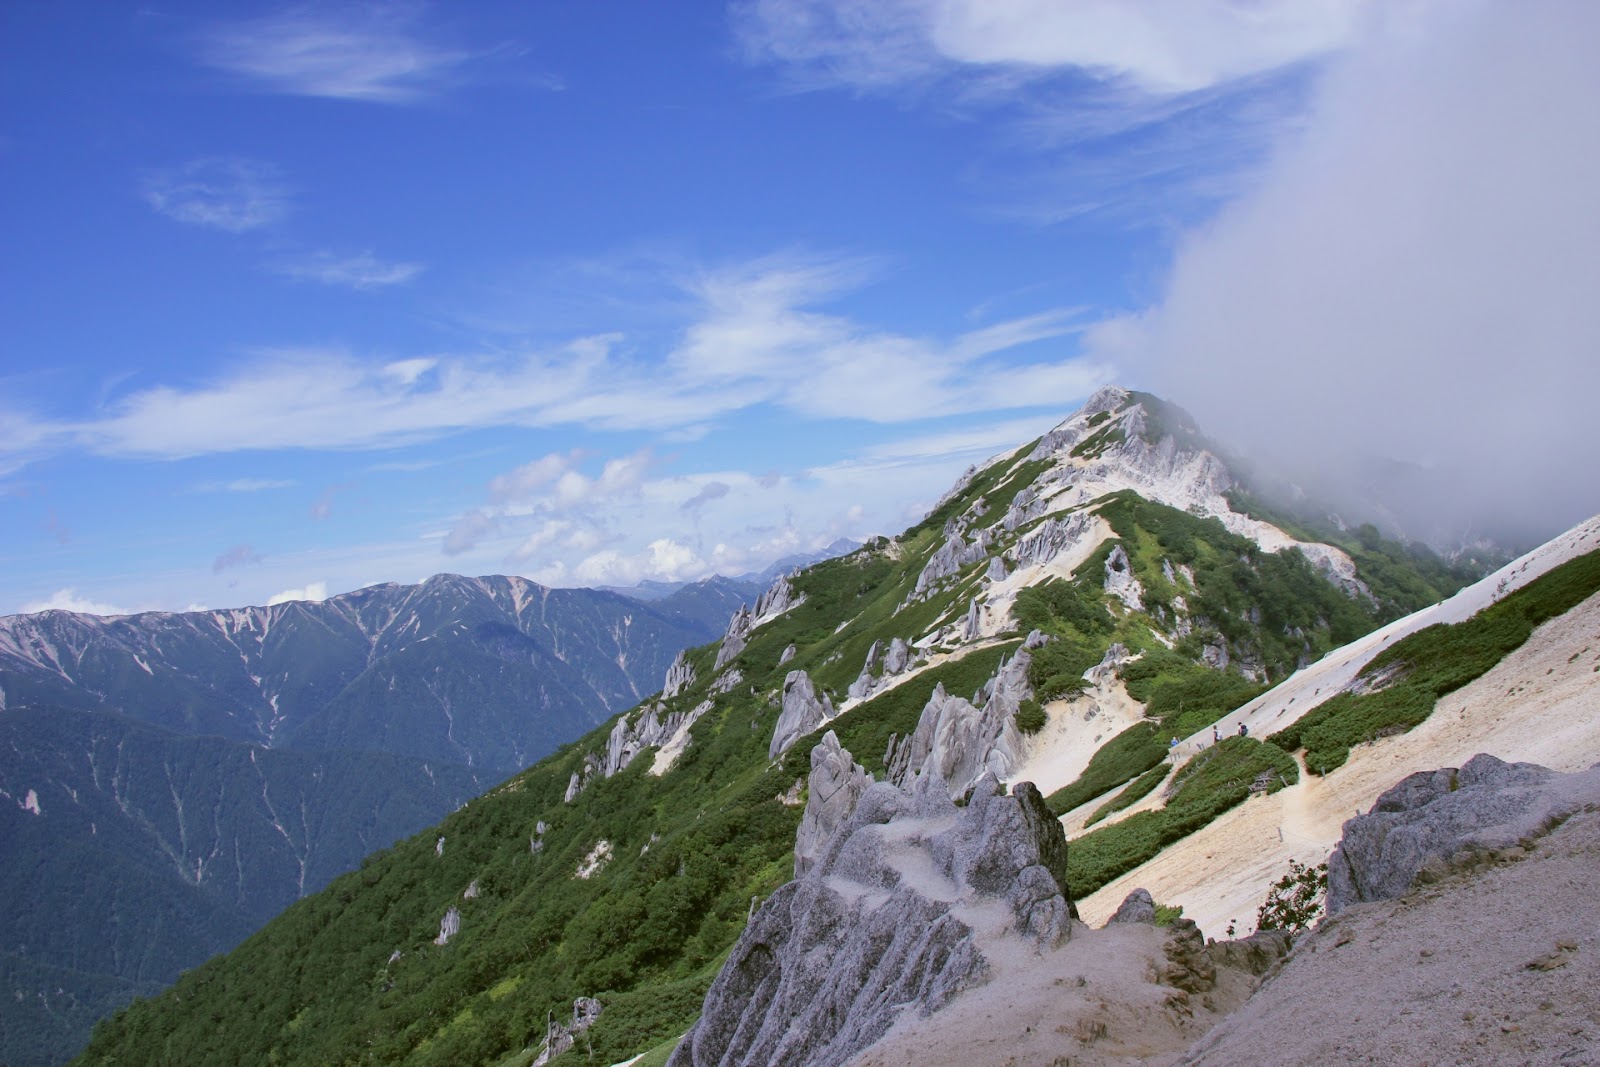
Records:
x=1030, y=717
x=1167, y=914
x=1121, y=759
x=1131, y=795
x=1296, y=900
x=1432, y=662
x=1212, y=782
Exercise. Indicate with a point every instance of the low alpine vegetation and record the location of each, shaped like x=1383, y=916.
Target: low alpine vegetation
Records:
x=1418, y=670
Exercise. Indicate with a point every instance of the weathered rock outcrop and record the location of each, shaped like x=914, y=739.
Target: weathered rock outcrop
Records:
x=628, y=738
x=1105, y=399
x=836, y=784
x=955, y=553
x=865, y=680
x=803, y=711
x=1050, y=538
x=891, y=919
x=559, y=1037
x=898, y=658
x=1026, y=506
x=778, y=598
x=959, y=742
x=1120, y=581
x=736, y=638
x=680, y=676
x=449, y=926
x=1432, y=820
x=1137, y=907
x=880, y=666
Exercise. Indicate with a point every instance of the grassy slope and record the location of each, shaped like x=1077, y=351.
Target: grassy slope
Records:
x=1216, y=780
x=1432, y=662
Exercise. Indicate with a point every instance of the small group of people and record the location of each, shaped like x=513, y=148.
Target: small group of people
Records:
x=1216, y=733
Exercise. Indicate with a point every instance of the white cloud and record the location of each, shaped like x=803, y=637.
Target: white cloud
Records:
x=469, y=530
x=552, y=487
x=756, y=339
x=662, y=560
x=69, y=600
x=369, y=52
x=1405, y=308
x=312, y=591
x=363, y=271
x=1147, y=112
x=223, y=193
x=1160, y=46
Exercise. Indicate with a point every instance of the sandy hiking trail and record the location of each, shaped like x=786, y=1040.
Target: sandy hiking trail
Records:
x=1541, y=704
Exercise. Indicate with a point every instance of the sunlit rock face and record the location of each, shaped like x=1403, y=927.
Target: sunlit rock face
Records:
x=892, y=916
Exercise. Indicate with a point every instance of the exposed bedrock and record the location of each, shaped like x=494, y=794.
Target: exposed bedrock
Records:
x=891, y=917
x=803, y=711
x=1433, y=820
x=959, y=741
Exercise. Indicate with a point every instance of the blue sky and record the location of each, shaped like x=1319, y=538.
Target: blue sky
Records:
x=299, y=298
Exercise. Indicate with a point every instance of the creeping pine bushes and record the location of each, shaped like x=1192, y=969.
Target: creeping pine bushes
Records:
x=1030, y=717
x=1296, y=900
x=1433, y=662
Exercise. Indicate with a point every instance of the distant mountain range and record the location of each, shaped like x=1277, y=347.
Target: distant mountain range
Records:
x=170, y=781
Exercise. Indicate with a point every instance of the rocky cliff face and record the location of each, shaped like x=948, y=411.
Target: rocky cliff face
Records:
x=891, y=917
x=803, y=711
x=836, y=785
x=1433, y=820
x=880, y=666
x=680, y=676
x=960, y=742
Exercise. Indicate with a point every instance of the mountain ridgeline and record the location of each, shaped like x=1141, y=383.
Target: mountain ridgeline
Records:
x=1109, y=554
x=172, y=781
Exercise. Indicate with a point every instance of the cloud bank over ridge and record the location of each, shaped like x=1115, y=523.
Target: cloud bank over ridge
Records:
x=1405, y=307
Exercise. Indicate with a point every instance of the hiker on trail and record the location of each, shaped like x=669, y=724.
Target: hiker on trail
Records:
x=1216, y=738
x=1244, y=731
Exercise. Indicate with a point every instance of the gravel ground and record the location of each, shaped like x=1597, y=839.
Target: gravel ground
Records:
x=1496, y=966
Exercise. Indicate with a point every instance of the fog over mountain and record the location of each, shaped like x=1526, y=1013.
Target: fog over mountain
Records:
x=1403, y=309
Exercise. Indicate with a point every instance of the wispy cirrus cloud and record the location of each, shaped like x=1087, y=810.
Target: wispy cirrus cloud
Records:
x=367, y=52
x=1146, y=113
x=758, y=335
x=362, y=271
x=244, y=485
x=220, y=193
x=1160, y=47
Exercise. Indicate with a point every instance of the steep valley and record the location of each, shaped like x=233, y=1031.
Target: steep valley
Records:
x=170, y=782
